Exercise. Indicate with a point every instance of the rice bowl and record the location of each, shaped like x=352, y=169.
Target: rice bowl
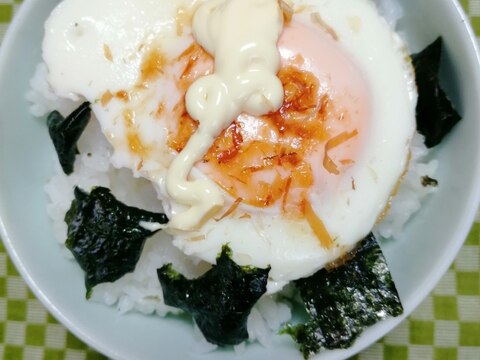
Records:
x=390, y=248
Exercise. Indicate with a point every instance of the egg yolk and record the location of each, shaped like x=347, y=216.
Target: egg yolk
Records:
x=308, y=143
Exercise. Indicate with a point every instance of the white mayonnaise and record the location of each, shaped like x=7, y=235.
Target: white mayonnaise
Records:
x=242, y=35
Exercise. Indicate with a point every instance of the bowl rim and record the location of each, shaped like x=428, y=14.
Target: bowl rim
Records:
x=428, y=284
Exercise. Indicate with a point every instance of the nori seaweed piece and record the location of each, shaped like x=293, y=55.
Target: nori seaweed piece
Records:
x=343, y=301
x=65, y=133
x=436, y=115
x=428, y=181
x=105, y=236
x=220, y=300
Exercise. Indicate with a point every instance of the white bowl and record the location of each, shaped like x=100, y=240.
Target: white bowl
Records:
x=417, y=261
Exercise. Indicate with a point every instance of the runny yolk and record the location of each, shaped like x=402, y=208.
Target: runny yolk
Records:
x=310, y=141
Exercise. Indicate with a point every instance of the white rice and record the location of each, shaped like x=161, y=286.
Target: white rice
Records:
x=140, y=291
x=42, y=98
x=411, y=193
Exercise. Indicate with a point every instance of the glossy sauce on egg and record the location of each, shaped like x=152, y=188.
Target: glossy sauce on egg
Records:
x=275, y=159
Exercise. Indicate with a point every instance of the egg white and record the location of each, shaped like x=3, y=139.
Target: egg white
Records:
x=74, y=51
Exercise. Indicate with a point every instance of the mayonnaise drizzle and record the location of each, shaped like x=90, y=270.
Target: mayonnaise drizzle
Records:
x=242, y=35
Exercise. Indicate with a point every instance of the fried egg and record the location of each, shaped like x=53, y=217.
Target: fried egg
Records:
x=301, y=185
